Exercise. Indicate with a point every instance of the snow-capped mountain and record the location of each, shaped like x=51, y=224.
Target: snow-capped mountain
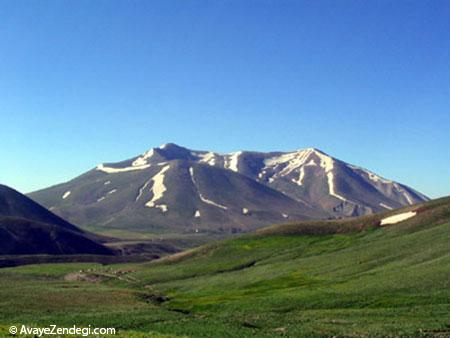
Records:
x=174, y=188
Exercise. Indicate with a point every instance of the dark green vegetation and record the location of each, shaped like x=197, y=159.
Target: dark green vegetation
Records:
x=321, y=279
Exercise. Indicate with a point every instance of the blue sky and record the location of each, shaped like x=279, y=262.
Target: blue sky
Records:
x=84, y=82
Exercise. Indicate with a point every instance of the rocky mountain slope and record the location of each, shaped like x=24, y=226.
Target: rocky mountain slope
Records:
x=172, y=188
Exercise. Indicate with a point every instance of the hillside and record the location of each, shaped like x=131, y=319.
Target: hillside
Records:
x=326, y=278
x=16, y=205
x=382, y=275
x=25, y=237
x=172, y=189
x=28, y=228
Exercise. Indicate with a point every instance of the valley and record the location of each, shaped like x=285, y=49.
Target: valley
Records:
x=224, y=169
x=347, y=278
x=183, y=243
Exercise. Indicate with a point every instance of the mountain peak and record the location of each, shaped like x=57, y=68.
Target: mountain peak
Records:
x=308, y=176
x=314, y=150
x=171, y=145
x=164, y=146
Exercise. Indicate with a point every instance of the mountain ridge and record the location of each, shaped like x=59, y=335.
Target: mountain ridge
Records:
x=238, y=191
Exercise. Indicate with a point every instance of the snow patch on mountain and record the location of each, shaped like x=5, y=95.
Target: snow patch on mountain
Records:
x=291, y=161
x=208, y=158
x=203, y=198
x=405, y=194
x=284, y=164
x=382, y=184
x=110, y=170
x=408, y=198
x=332, y=189
x=245, y=211
x=386, y=206
x=141, y=189
x=327, y=163
x=108, y=193
x=163, y=207
x=142, y=160
x=377, y=178
x=66, y=194
x=197, y=214
x=370, y=175
x=232, y=161
x=158, y=188
x=138, y=164
x=398, y=218
x=301, y=177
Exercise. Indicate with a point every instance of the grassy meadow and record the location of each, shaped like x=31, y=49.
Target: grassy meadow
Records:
x=338, y=278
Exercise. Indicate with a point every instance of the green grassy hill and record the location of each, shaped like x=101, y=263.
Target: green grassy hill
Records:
x=319, y=279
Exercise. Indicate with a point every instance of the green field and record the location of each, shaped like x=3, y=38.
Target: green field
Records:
x=323, y=279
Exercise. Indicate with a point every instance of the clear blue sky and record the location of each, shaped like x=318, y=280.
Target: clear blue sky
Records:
x=84, y=82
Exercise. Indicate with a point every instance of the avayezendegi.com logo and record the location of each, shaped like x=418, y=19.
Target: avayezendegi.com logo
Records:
x=54, y=330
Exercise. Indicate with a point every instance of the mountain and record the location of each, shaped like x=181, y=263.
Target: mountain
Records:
x=28, y=228
x=172, y=188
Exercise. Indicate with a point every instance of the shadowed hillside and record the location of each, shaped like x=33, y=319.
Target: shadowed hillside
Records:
x=27, y=228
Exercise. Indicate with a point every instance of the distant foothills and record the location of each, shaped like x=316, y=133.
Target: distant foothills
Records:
x=172, y=189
